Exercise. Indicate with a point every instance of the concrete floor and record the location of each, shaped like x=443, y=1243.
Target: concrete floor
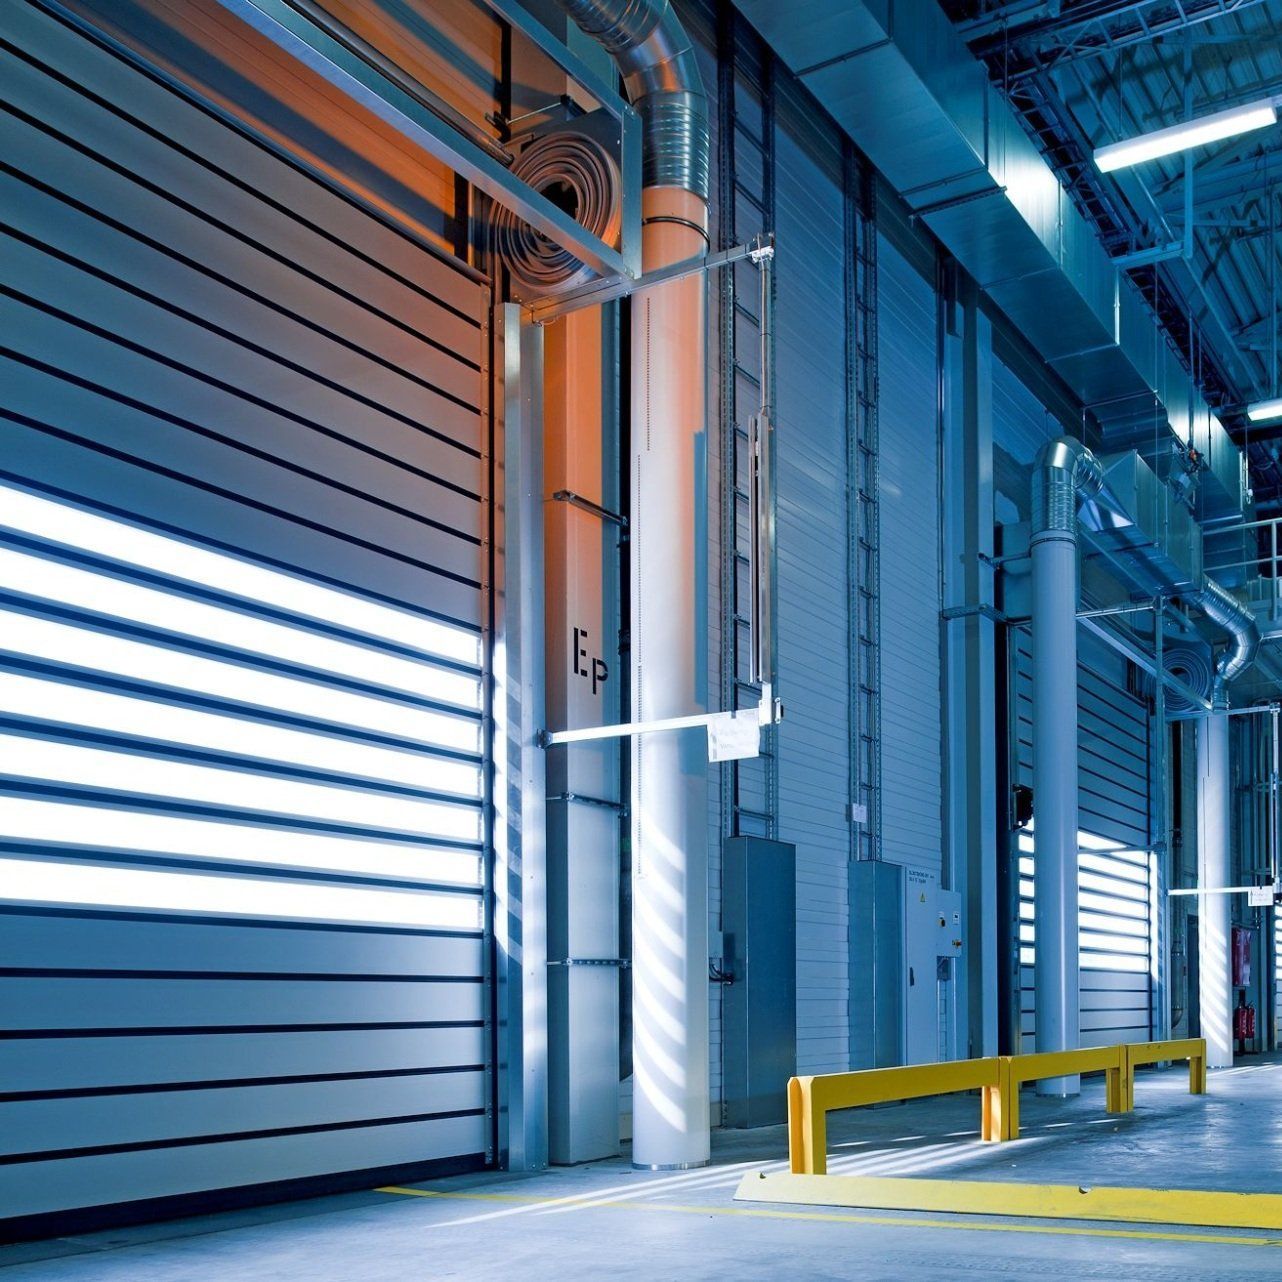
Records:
x=604, y=1220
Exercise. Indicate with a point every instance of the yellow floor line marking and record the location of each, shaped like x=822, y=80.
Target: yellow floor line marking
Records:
x=836, y=1217
x=1168, y=1207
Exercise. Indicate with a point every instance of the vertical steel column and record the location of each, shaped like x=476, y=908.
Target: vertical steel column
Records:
x=1215, y=992
x=668, y=628
x=583, y=679
x=520, y=883
x=969, y=660
x=1055, y=796
x=1160, y=944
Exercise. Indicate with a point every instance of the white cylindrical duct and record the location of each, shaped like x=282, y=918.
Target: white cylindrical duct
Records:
x=670, y=1124
x=1215, y=991
x=1065, y=473
x=1055, y=797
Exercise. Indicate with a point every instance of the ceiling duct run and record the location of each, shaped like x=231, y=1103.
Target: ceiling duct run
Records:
x=901, y=82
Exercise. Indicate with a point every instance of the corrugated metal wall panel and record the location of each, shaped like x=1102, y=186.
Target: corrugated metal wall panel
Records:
x=911, y=711
x=1116, y=934
x=810, y=432
x=243, y=505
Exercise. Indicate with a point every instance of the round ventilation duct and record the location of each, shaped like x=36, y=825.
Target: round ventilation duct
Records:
x=579, y=176
x=1192, y=665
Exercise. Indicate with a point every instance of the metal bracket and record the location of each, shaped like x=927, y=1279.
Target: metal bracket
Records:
x=578, y=798
x=621, y=963
x=769, y=712
x=587, y=505
x=760, y=248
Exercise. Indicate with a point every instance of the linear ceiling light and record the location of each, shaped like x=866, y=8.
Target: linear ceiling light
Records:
x=1263, y=410
x=1189, y=133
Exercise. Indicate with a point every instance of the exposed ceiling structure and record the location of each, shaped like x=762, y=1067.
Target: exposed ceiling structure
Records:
x=1197, y=231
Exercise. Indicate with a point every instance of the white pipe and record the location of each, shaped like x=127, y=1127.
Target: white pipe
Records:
x=1055, y=797
x=670, y=1117
x=670, y=1122
x=1215, y=992
x=1066, y=473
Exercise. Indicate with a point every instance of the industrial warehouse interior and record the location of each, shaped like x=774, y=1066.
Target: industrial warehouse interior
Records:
x=640, y=639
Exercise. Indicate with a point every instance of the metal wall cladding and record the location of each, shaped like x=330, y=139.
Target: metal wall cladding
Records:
x=911, y=701
x=243, y=586
x=813, y=629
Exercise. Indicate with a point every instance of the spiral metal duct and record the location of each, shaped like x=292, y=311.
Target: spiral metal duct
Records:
x=578, y=174
x=661, y=73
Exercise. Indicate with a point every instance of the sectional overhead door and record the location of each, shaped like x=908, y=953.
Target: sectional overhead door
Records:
x=1115, y=867
x=243, y=658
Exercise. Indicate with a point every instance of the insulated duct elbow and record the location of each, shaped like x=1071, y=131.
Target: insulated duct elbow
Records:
x=660, y=70
x=1065, y=474
x=1228, y=612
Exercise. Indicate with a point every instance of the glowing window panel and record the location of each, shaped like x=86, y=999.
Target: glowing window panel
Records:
x=1112, y=887
x=1114, y=868
x=57, y=522
x=82, y=589
x=1114, y=962
x=1115, y=912
x=122, y=714
x=54, y=642
x=1106, y=921
x=179, y=837
x=1101, y=941
x=99, y=886
x=1088, y=841
x=1137, y=911
x=76, y=766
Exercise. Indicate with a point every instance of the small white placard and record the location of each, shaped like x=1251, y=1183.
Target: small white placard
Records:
x=1260, y=897
x=732, y=736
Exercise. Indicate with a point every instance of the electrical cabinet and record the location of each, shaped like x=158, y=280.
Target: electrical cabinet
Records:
x=933, y=942
x=759, y=921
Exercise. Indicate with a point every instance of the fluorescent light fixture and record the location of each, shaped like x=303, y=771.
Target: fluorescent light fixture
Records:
x=139, y=832
x=1262, y=411
x=1188, y=133
x=53, y=881
x=75, y=527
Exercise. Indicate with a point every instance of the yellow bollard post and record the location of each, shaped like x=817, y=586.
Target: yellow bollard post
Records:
x=1010, y=1084
x=796, y=1142
x=1117, y=1081
x=1197, y=1071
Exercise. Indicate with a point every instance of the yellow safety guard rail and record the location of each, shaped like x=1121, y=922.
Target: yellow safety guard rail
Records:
x=998, y=1079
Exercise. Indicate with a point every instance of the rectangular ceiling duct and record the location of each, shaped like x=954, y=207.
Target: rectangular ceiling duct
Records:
x=906, y=89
